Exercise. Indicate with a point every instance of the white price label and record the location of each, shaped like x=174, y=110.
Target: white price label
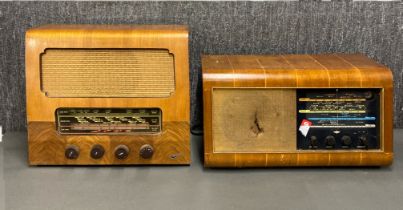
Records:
x=304, y=127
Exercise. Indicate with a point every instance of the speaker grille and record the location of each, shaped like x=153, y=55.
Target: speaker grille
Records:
x=248, y=120
x=107, y=73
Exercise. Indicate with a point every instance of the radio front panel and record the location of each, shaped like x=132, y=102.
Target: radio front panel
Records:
x=338, y=119
x=259, y=120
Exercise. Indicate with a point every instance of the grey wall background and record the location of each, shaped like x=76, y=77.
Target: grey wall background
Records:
x=371, y=28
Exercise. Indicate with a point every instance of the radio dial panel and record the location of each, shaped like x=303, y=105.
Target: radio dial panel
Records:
x=342, y=119
x=108, y=120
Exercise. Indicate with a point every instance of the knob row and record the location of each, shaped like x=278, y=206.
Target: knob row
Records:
x=121, y=152
x=330, y=141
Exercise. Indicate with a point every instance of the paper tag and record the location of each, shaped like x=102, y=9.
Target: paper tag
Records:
x=304, y=127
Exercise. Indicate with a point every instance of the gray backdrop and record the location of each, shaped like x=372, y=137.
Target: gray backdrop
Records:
x=371, y=28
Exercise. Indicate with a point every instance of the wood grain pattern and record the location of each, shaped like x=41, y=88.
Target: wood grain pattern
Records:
x=46, y=146
x=292, y=72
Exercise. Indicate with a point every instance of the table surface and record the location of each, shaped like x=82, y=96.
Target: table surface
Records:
x=194, y=187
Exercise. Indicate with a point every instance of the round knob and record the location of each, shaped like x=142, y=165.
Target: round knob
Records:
x=368, y=95
x=72, y=152
x=146, y=151
x=313, y=140
x=121, y=152
x=97, y=151
x=346, y=140
x=363, y=141
x=330, y=141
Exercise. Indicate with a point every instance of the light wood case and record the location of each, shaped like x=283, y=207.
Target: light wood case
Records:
x=95, y=66
x=250, y=113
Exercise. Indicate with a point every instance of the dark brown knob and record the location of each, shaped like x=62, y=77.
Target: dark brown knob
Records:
x=346, y=140
x=121, y=152
x=363, y=141
x=72, y=152
x=330, y=141
x=97, y=151
x=368, y=95
x=146, y=151
x=313, y=141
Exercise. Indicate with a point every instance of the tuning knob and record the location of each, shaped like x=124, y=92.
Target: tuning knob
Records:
x=97, y=151
x=313, y=140
x=146, y=151
x=346, y=140
x=72, y=152
x=363, y=141
x=121, y=152
x=368, y=95
x=330, y=141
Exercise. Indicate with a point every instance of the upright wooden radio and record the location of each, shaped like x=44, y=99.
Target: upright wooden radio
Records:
x=107, y=94
x=296, y=110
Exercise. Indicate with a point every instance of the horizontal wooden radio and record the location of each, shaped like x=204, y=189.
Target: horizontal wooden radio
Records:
x=296, y=110
x=107, y=94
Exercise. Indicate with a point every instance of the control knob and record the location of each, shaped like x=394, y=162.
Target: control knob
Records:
x=330, y=141
x=72, y=152
x=363, y=141
x=146, y=151
x=313, y=140
x=346, y=140
x=121, y=152
x=97, y=151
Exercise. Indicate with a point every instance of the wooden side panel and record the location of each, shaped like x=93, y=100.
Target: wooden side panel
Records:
x=47, y=147
x=253, y=120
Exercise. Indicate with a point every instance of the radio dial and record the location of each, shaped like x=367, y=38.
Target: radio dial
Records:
x=146, y=151
x=72, y=152
x=97, y=151
x=121, y=152
x=330, y=141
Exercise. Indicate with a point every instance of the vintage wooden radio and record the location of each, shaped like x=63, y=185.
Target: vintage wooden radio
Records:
x=296, y=110
x=107, y=94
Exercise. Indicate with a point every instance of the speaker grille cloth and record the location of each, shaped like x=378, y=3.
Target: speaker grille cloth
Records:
x=107, y=73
